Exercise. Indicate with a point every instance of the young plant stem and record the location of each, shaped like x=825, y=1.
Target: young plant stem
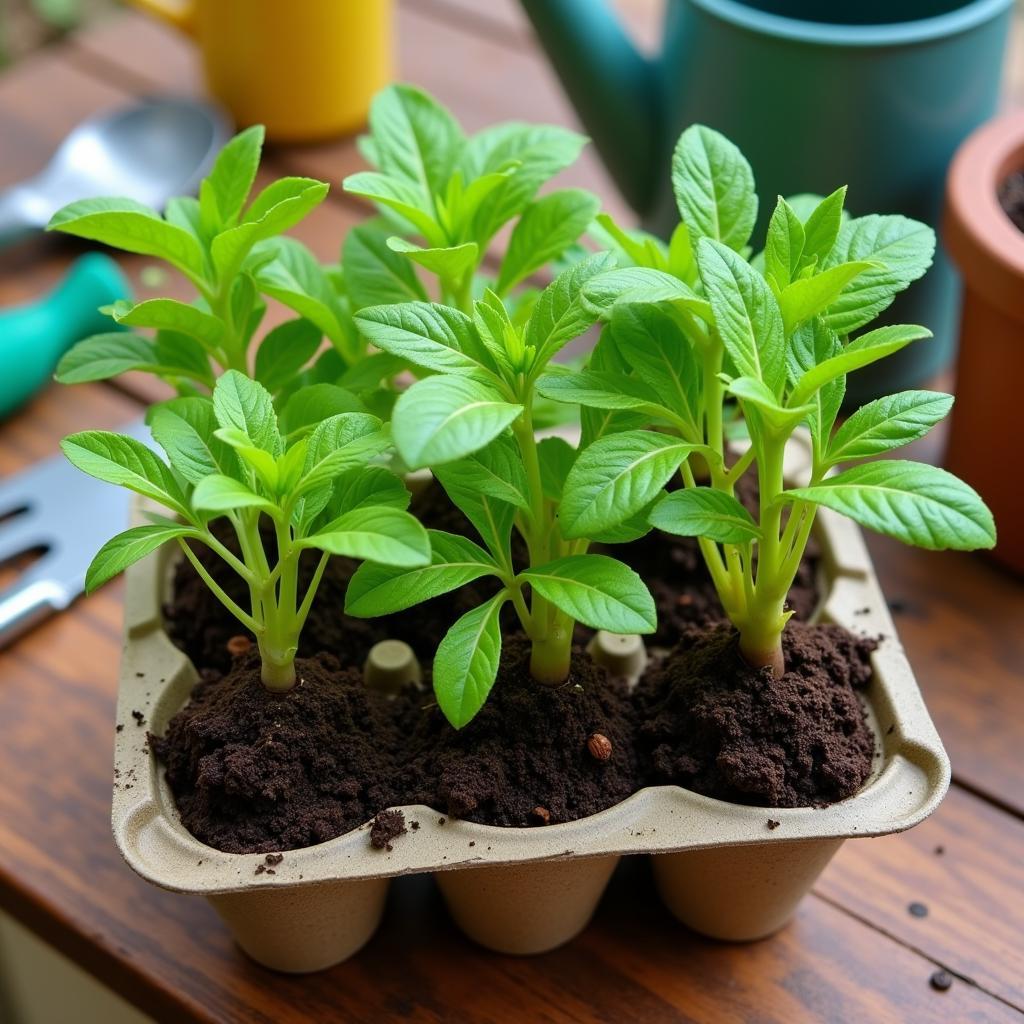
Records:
x=549, y=629
x=765, y=616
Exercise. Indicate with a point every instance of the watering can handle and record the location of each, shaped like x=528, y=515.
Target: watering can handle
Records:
x=615, y=89
x=179, y=13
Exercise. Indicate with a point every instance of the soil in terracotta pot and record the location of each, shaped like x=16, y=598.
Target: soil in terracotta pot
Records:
x=256, y=772
x=712, y=724
x=525, y=760
x=1011, y=198
x=684, y=594
x=201, y=626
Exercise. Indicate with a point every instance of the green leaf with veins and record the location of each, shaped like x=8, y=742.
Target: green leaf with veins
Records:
x=888, y=423
x=784, y=246
x=171, y=315
x=442, y=419
x=128, y=548
x=559, y=314
x=466, y=663
x=449, y=263
x=746, y=314
x=117, y=459
x=821, y=228
x=385, y=535
x=426, y=334
x=714, y=187
x=383, y=590
x=185, y=429
x=705, y=512
x=904, y=249
x=246, y=405
x=128, y=225
x=495, y=470
x=596, y=590
x=615, y=477
x=915, y=503
x=226, y=188
x=415, y=139
x=642, y=285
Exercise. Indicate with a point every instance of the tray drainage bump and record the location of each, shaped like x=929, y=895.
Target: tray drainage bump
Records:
x=391, y=665
x=620, y=655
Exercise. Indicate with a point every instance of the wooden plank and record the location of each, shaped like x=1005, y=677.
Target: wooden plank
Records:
x=964, y=865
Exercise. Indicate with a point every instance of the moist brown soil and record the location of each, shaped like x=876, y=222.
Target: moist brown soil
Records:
x=684, y=594
x=387, y=826
x=524, y=759
x=256, y=772
x=201, y=626
x=712, y=724
x=1011, y=198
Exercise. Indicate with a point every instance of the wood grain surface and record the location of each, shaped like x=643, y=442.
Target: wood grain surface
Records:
x=854, y=951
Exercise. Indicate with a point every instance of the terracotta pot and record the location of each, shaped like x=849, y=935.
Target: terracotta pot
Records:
x=720, y=868
x=989, y=250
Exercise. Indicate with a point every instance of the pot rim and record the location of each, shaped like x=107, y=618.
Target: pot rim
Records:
x=910, y=781
x=985, y=244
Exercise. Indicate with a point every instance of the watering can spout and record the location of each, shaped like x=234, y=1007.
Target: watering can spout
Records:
x=613, y=87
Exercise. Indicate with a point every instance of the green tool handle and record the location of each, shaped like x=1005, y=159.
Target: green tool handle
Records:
x=34, y=336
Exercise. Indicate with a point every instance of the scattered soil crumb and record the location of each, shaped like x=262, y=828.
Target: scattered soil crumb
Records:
x=440, y=821
x=260, y=868
x=414, y=825
x=119, y=727
x=388, y=825
x=473, y=843
x=273, y=859
x=917, y=909
x=140, y=675
x=140, y=718
x=889, y=731
x=941, y=981
x=773, y=824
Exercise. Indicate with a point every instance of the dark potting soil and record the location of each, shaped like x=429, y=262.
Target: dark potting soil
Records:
x=684, y=594
x=1011, y=198
x=202, y=627
x=386, y=827
x=256, y=772
x=524, y=760
x=711, y=723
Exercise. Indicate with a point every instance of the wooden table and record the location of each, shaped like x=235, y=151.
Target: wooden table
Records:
x=854, y=951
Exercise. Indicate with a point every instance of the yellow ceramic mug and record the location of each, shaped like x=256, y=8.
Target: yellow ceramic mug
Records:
x=304, y=68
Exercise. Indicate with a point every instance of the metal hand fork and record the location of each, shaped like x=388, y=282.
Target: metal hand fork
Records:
x=58, y=508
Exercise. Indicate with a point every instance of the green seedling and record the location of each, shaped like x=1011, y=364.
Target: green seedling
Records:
x=455, y=194
x=707, y=335
x=472, y=423
x=232, y=250
x=227, y=457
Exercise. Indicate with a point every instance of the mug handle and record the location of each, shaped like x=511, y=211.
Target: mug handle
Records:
x=179, y=13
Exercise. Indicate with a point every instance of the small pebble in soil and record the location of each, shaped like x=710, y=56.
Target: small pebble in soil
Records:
x=238, y=645
x=542, y=814
x=388, y=825
x=917, y=909
x=600, y=747
x=773, y=824
x=140, y=718
x=941, y=981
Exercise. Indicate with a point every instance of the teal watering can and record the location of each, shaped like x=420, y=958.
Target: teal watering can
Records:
x=34, y=336
x=876, y=94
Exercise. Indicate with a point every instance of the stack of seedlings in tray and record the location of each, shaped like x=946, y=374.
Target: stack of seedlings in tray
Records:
x=287, y=463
